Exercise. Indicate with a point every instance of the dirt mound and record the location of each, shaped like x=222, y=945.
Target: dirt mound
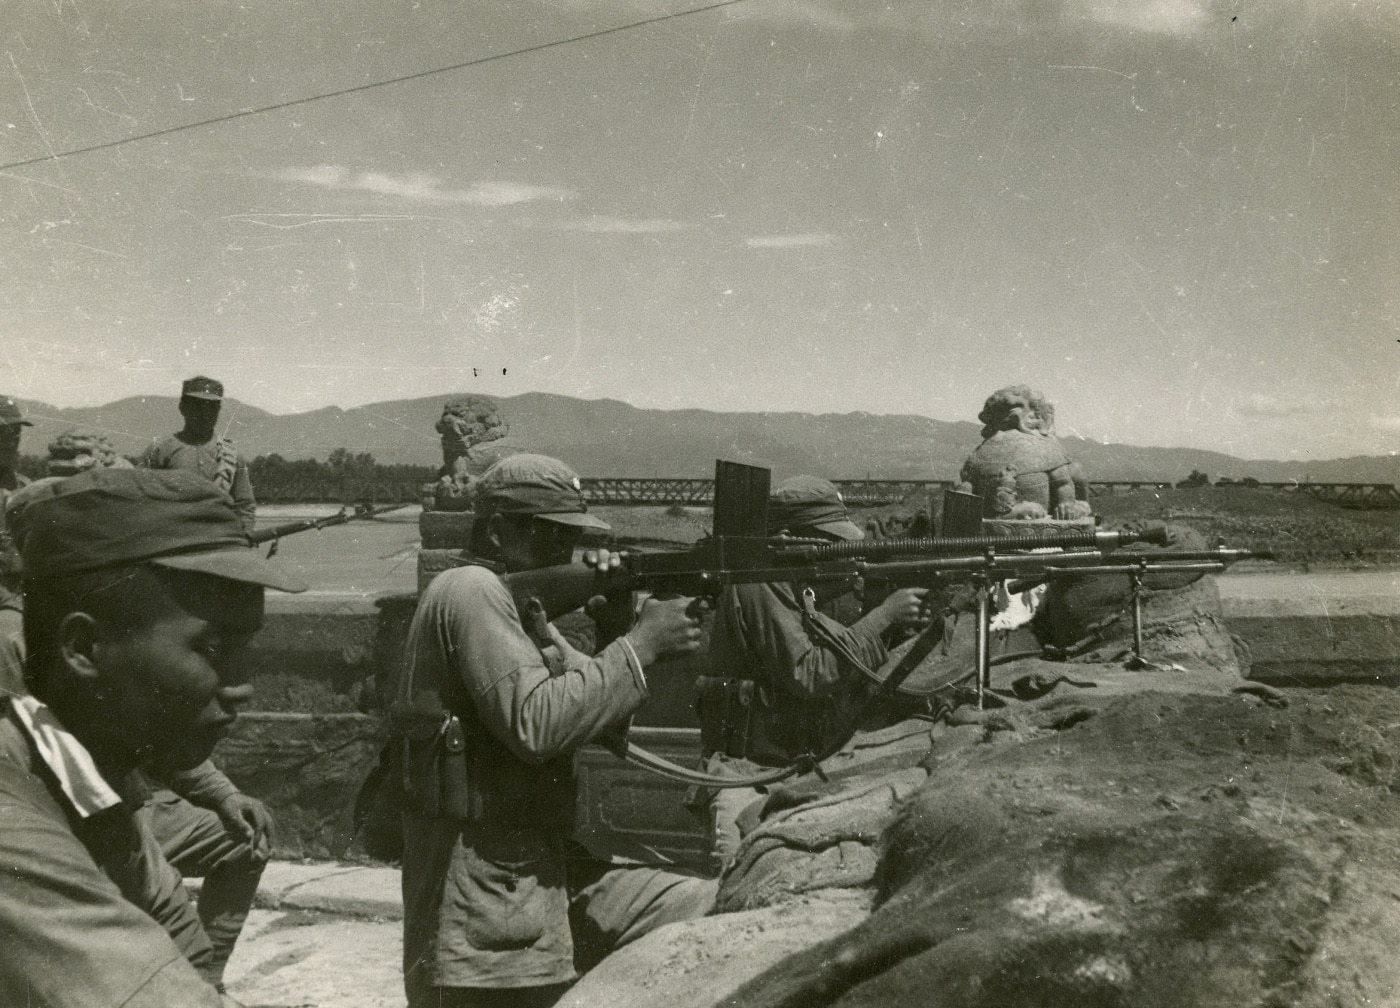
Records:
x=1173, y=850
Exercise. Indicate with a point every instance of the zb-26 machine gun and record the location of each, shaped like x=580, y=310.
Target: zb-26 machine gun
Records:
x=740, y=551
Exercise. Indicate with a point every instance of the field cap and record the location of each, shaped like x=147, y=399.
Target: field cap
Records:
x=10, y=414
x=169, y=517
x=809, y=502
x=200, y=387
x=534, y=485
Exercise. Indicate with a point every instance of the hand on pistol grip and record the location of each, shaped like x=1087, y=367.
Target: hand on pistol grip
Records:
x=667, y=626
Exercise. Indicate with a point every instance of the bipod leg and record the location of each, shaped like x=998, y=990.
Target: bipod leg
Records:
x=983, y=647
x=1137, y=661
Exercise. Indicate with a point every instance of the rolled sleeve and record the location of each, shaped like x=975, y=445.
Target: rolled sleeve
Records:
x=468, y=622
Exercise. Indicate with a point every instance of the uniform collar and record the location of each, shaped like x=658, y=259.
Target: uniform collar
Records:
x=71, y=764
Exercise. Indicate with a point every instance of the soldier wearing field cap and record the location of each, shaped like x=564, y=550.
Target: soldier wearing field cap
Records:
x=197, y=447
x=12, y=423
x=141, y=596
x=206, y=827
x=780, y=685
x=501, y=907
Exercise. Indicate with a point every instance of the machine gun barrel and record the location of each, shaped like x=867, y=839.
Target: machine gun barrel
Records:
x=874, y=549
x=1005, y=567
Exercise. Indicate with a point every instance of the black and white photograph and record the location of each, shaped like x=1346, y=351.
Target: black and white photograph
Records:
x=736, y=504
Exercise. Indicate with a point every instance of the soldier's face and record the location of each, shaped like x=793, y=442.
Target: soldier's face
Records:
x=200, y=414
x=174, y=684
x=530, y=543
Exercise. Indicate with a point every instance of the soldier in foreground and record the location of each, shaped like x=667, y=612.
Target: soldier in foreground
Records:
x=782, y=680
x=205, y=826
x=197, y=448
x=501, y=907
x=140, y=600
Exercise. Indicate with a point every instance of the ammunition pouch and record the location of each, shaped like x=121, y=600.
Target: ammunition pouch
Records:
x=432, y=755
x=726, y=708
x=452, y=769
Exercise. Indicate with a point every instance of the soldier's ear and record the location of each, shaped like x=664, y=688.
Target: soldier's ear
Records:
x=78, y=638
x=495, y=529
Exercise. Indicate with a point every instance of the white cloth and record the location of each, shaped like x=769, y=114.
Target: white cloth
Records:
x=70, y=762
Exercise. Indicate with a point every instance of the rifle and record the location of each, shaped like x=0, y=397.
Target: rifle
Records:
x=345, y=514
x=740, y=551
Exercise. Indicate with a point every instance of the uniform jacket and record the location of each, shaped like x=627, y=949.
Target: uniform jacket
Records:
x=486, y=901
x=803, y=686
x=172, y=453
x=91, y=912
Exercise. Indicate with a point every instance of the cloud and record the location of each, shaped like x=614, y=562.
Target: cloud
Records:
x=598, y=224
x=418, y=187
x=1165, y=17
x=1259, y=405
x=814, y=239
x=1384, y=423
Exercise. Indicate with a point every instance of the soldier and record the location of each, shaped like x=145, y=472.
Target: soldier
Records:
x=205, y=826
x=11, y=424
x=500, y=906
x=196, y=448
x=140, y=599
x=782, y=680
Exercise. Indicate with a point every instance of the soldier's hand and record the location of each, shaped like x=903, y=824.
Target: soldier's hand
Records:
x=906, y=606
x=666, y=628
x=247, y=818
x=603, y=559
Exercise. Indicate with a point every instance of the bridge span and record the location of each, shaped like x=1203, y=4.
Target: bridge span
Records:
x=641, y=490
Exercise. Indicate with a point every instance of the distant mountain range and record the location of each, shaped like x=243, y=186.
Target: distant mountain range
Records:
x=604, y=437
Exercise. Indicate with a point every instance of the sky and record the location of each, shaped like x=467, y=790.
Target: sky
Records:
x=1179, y=219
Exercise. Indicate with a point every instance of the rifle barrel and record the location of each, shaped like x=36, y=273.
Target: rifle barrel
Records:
x=306, y=525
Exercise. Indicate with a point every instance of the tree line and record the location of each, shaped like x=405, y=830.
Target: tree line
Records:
x=345, y=477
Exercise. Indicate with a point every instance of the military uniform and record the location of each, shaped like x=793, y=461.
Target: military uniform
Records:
x=181, y=813
x=216, y=459
x=497, y=895
x=92, y=913
x=12, y=421
x=781, y=688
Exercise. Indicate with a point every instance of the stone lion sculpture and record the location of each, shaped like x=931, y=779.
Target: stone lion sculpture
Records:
x=1020, y=470
x=465, y=424
x=78, y=450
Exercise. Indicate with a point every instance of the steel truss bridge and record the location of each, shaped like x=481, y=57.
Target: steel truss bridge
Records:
x=642, y=490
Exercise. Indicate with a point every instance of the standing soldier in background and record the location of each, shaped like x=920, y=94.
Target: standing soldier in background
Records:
x=197, y=449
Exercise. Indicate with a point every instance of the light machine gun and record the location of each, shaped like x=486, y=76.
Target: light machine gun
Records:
x=740, y=551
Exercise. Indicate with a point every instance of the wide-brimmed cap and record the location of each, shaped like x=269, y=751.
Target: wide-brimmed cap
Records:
x=810, y=502
x=534, y=485
x=200, y=387
x=171, y=518
x=10, y=414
